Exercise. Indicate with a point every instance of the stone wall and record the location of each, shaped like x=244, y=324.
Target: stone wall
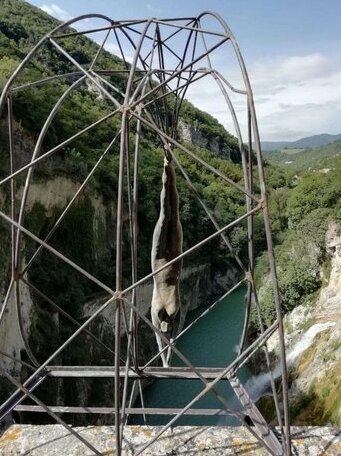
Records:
x=53, y=440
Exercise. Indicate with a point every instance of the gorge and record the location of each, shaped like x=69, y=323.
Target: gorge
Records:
x=305, y=209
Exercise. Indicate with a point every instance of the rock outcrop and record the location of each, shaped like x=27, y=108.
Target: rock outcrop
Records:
x=313, y=340
x=195, y=136
x=198, y=286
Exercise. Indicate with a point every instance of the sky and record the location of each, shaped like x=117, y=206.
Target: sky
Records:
x=291, y=49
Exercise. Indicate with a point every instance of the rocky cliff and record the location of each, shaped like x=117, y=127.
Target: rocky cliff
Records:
x=44, y=326
x=313, y=341
x=194, y=135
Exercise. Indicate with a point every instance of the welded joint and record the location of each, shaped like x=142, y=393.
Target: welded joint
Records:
x=248, y=277
x=209, y=386
x=118, y=296
x=17, y=274
x=139, y=108
x=124, y=108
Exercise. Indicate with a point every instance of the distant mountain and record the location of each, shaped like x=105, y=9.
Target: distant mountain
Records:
x=299, y=159
x=304, y=143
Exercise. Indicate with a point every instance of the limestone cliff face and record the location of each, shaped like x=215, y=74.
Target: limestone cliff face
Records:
x=199, y=285
x=197, y=288
x=52, y=195
x=328, y=304
x=10, y=338
x=313, y=340
x=193, y=135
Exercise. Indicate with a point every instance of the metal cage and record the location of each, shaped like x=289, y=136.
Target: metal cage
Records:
x=161, y=59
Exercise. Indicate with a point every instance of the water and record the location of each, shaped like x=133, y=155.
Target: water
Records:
x=257, y=384
x=212, y=342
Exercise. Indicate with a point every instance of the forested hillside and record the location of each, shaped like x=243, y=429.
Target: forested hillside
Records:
x=303, y=159
x=87, y=234
x=21, y=26
x=301, y=206
x=306, y=220
x=301, y=213
x=310, y=142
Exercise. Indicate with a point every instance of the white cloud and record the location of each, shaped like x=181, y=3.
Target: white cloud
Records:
x=295, y=96
x=111, y=47
x=289, y=69
x=55, y=11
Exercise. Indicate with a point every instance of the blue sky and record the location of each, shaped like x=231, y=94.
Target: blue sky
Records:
x=291, y=49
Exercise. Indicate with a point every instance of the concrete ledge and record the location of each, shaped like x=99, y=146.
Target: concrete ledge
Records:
x=53, y=440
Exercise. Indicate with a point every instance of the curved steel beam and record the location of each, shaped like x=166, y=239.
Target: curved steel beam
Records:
x=267, y=224
x=38, y=46
x=135, y=103
x=124, y=151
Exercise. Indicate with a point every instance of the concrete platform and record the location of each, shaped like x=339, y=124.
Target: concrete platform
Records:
x=53, y=440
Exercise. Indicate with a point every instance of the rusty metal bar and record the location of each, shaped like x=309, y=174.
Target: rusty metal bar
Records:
x=182, y=372
x=209, y=373
x=18, y=361
x=133, y=215
x=260, y=424
x=200, y=30
x=129, y=410
x=134, y=106
x=98, y=29
x=50, y=412
x=124, y=151
x=48, y=79
x=58, y=147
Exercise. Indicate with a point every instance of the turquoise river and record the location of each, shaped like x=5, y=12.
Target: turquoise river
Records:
x=211, y=342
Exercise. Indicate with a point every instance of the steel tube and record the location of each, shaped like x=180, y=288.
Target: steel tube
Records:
x=194, y=156
x=184, y=27
x=58, y=147
x=129, y=410
x=55, y=77
x=50, y=412
x=171, y=83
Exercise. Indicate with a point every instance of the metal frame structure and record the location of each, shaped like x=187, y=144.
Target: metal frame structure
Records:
x=148, y=84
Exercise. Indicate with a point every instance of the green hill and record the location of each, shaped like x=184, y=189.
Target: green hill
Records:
x=21, y=26
x=309, y=142
x=94, y=249
x=304, y=159
x=301, y=209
